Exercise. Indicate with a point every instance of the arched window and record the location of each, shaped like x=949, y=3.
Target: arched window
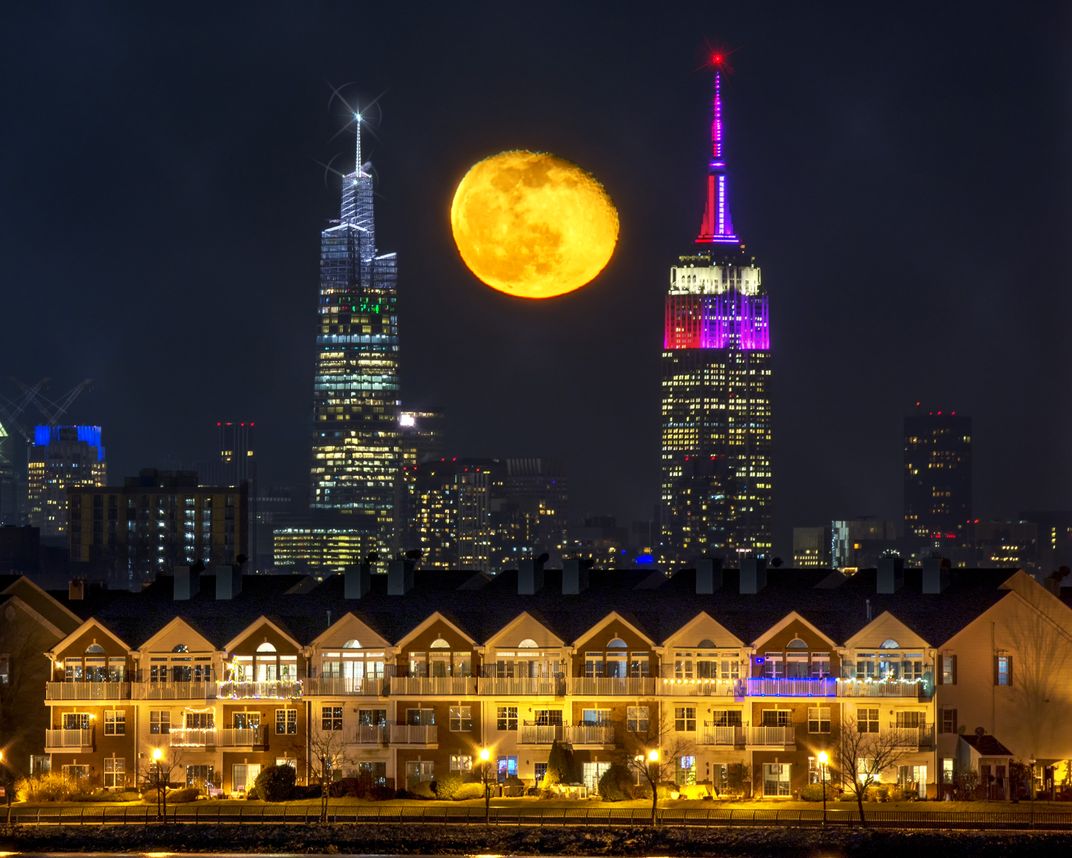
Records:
x=617, y=643
x=889, y=643
x=266, y=647
x=352, y=644
x=796, y=643
x=94, y=649
x=180, y=648
x=706, y=643
x=528, y=643
x=439, y=643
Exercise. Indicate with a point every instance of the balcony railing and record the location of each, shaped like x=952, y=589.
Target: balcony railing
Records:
x=453, y=685
x=240, y=737
x=413, y=734
x=193, y=737
x=885, y=688
x=371, y=734
x=540, y=734
x=275, y=689
x=340, y=686
x=173, y=690
x=729, y=736
x=79, y=739
x=607, y=686
x=762, y=686
x=701, y=687
x=589, y=734
x=87, y=691
x=770, y=737
x=549, y=686
x=912, y=738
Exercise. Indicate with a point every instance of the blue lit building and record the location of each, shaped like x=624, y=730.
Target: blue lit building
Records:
x=61, y=458
x=356, y=449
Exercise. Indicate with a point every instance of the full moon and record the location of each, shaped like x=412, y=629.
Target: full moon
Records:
x=533, y=225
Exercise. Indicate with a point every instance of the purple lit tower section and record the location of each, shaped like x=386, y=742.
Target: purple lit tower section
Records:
x=716, y=432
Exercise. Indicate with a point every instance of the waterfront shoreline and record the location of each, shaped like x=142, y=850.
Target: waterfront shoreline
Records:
x=383, y=839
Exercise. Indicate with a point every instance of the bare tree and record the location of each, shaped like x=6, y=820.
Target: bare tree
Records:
x=22, y=717
x=863, y=757
x=655, y=754
x=326, y=754
x=155, y=772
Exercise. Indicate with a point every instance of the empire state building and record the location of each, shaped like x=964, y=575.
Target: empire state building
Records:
x=356, y=447
x=715, y=495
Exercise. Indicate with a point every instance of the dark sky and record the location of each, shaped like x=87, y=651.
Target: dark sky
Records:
x=901, y=173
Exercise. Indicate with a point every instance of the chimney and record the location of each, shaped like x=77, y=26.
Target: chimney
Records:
x=76, y=589
x=753, y=575
x=399, y=577
x=935, y=575
x=708, y=576
x=530, y=575
x=890, y=575
x=187, y=582
x=356, y=581
x=228, y=582
x=574, y=576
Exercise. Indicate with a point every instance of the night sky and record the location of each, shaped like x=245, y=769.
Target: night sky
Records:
x=902, y=177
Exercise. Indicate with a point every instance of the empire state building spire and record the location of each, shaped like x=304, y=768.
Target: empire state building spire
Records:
x=717, y=225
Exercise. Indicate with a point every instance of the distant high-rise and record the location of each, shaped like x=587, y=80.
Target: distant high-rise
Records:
x=716, y=412
x=811, y=547
x=9, y=506
x=356, y=448
x=236, y=455
x=421, y=441
x=61, y=458
x=937, y=478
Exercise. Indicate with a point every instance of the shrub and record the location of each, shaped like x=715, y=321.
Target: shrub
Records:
x=378, y=792
x=562, y=765
x=469, y=790
x=814, y=792
x=423, y=790
x=52, y=786
x=182, y=795
x=350, y=787
x=309, y=791
x=446, y=787
x=513, y=786
x=275, y=783
x=615, y=784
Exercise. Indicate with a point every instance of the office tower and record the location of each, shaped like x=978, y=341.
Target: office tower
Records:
x=811, y=547
x=1054, y=537
x=421, y=441
x=859, y=543
x=529, y=510
x=454, y=512
x=8, y=485
x=937, y=478
x=716, y=481
x=155, y=521
x=61, y=458
x=318, y=551
x=356, y=454
x=236, y=463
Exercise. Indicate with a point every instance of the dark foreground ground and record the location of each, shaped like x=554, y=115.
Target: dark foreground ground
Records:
x=383, y=839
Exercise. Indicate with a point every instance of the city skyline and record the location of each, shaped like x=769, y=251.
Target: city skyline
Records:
x=888, y=291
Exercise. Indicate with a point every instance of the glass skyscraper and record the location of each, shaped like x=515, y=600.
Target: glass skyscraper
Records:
x=356, y=451
x=716, y=413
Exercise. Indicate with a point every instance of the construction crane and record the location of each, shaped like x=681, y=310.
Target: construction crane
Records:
x=51, y=410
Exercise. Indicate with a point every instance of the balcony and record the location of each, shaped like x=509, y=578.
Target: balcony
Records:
x=762, y=686
x=414, y=734
x=371, y=734
x=193, y=737
x=516, y=686
x=770, y=737
x=59, y=740
x=275, y=689
x=73, y=691
x=669, y=687
x=731, y=736
x=173, y=690
x=343, y=686
x=589, y=734
x=540, y=734
x=912, y=738
x=422, y=685
x=610, y=686
x=917, y=690
x=240, y=737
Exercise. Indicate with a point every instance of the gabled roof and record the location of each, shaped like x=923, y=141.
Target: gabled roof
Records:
x=986, y=745
x=177, y=623
x=787, y=620
x=252, y=627
x=611, y=617
x=91, y=623
x=350, y=619
x=517, y=621
x=721, y=632
x=431, y=620
x=901, y=631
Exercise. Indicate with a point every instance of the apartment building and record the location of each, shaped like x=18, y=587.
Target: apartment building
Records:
x=742, y=676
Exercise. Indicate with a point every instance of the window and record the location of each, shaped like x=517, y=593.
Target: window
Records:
x=507, y=768
x=947, y=720
x=461, y=718
x=286, y=722
x=947, y=770
x=548, y=717
x=949, y=669
x=331, y=718
x=75, y=720
x=200, y=774
x=820, y=664
x=1003, y=669
x=818, y=719
x=776, y=718
x=287, y=761
x=726, y=718
x=76, y=771
x=506, y=718
x=595, y=717
x=372, y=717
x=115, y=772
x=5, y=668
x=115, y=722
x=685, y=719
x=867, y=720
x=461, y=763
x=249, y=720
x=637, y=719
x=420, y=717
x=775, y=779
x=159, y=722
x=539, y=769
x=199, y=721
x=909, y=720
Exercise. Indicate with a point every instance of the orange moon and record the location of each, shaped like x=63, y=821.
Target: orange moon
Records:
x=533, y=225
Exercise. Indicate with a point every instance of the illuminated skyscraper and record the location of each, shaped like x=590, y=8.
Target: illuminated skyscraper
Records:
x=9, y=513
x=61, y=458
x=356, y=451
x=716, y=413
x=937, y=478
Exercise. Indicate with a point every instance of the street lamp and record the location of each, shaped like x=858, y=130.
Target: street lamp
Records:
x=653, y=779
x=161, y=787
x=485, y=763
x=824, y=761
